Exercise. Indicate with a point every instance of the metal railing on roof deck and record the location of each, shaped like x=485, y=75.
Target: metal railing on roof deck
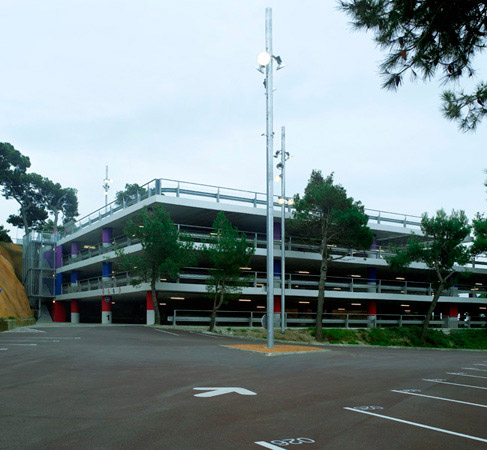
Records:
x=303, y=282
x=176, y=188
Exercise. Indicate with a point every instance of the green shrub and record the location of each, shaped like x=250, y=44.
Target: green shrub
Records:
x=476, y=339
x=406, y=337
x=339, y=335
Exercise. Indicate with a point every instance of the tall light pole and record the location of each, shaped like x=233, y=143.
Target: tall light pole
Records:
x=266, y=60
x=269, y=94
x=283, y=201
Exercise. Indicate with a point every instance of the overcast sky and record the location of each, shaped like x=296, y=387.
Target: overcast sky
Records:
x=169, y=89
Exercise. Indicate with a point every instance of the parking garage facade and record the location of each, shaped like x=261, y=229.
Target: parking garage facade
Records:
x=79, y=280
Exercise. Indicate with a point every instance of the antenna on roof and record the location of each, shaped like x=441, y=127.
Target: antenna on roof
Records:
x=106, y=186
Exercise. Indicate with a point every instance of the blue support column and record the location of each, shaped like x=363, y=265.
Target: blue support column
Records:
x=106, y=271
x=74, y=277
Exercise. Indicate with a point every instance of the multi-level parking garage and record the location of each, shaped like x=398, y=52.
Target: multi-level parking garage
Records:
x=90, y=287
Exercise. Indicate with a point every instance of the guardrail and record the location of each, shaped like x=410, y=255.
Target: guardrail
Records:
x=176, y=188
x=305, y=320
x=201, y=234
x=255, y=279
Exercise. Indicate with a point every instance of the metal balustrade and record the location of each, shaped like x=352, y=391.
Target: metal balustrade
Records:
x=201, y=234
x=307, y=319
x=176, y=188
x=303, y=282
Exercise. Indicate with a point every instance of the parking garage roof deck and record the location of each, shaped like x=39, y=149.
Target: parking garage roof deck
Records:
x=239, y=197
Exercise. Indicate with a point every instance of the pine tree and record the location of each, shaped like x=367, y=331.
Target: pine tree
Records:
x=441, y=248
x=326, y=212
x=165, y=250
x=226, y=251
x=427, y=37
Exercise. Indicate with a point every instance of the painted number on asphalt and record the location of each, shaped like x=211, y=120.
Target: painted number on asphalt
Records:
x=367, y=408
x=276, y=444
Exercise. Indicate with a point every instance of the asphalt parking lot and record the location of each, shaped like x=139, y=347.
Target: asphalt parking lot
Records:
x=136, y=387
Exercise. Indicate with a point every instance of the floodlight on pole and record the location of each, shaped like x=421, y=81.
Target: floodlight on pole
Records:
x=263, y=58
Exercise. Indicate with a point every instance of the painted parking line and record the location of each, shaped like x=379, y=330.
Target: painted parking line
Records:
x=3, y=349
x=474, y=368
x=416, y=424
x=461, y=374
x=8, y=341
x=268, y=445
x=25, y=330
x=203, y=334
x=479, y=364
x=38, y=338
x=455, y=384
x=167, y=332
x=25, y=345
x=410, y=392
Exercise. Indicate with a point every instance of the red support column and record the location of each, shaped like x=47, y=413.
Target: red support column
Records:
x=151, y=317
x=59, y=311
x=372, y=308
x=452, y=314
x=106, y=309
x=74, y=311
x=453, y=310
x=372, y=313
x=277, y=303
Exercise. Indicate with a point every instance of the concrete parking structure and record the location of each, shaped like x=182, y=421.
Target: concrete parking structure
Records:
x=77, y=277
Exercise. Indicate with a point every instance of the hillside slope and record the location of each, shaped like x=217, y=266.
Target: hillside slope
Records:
x=13, y=254
x=13, y=301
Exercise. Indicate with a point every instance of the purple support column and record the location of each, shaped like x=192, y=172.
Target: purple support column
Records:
x=277, y=272
x=374, y=247
x=74, y=249
x=58, y=262
x=277, y=231
x=277, y=260
x=107, y=236
x=372, y=271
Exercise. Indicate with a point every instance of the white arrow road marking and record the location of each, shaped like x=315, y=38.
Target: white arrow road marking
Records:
x=214, y=391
